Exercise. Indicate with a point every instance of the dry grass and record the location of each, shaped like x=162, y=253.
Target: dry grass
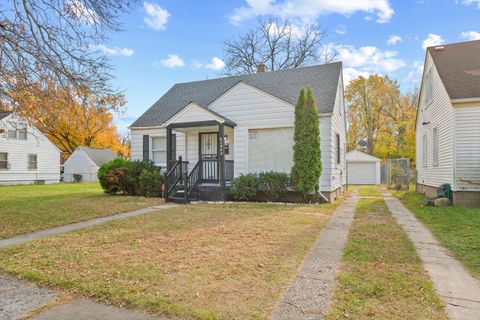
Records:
x=381, y=275
x=31, y=208
x=369, y=191
x=202, y=261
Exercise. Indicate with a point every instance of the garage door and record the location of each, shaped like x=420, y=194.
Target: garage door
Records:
x=270, y=150
x=361, y=172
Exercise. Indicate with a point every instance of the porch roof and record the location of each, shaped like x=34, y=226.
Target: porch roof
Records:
x=194, y=115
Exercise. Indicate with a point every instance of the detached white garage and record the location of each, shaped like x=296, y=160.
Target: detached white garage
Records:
x=362, y=168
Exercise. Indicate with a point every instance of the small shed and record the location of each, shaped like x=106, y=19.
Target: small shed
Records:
x=362, y=168
x=84, y=163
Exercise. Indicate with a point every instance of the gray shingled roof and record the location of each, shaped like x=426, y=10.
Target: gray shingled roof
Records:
x=4, y=114
x=284, y=84
x=99, y=156
x=459, y=67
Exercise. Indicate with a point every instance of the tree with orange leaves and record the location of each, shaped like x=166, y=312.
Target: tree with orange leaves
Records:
x=74, y=118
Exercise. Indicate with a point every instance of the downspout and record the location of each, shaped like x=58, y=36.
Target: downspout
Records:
x=323, y=196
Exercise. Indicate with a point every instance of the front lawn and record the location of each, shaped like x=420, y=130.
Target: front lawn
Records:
x=31, y=208
x=208, y=261
x=381, y=276
x=457, y=228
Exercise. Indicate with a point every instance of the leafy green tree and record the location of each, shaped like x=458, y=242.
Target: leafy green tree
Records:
x=307, y=165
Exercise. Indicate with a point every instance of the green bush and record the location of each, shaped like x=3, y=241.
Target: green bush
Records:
x=107, y=175
x=133, y=178
x=244, y=187
x=274, y=184
x=150, y=183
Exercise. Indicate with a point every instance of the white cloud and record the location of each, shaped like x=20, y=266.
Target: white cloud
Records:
x=77, y=9
x=471, y=2
x=341, y=29
x=432, y=40
x=393, y=40
x=172, y=61
x=365, y=60
x=311, y=9
x=113, y=51
x=216, y=64
x=414, y=76
x=470, y=35
x=157, y=17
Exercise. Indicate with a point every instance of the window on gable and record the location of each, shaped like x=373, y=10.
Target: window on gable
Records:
x=424, y=153
x=22, y=133
x=338, y=148
x=428, y=87
x=159, y=149
x=435, y=146
x=11, y=133
x=3, y=160
x=32, y=161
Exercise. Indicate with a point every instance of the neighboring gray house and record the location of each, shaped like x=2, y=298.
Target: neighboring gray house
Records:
x=226, y=127
x=86, y=161
x=448, y=122
x=26, y=154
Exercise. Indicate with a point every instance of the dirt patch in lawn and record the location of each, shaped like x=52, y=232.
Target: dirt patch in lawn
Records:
x=201, y=261
x=381, y=276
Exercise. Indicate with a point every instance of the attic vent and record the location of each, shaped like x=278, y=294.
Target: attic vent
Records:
x=439, y=48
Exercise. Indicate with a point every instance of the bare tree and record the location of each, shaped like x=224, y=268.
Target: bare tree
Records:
x=54, y=40
x=277, y=43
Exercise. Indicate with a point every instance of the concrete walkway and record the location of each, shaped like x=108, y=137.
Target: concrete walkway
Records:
x=79, y=225
x=309, y=294
x=457, y=288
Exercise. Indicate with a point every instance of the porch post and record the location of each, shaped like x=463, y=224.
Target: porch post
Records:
x=221, y=134
x=169, y=148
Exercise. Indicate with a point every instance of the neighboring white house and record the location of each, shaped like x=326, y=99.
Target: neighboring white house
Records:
x=244, y=124
x=26, y=155
x=448, y=122
x=85, y=162
x=362, y=168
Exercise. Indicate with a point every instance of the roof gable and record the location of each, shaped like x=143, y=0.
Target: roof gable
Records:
x=458, y=65
x=4, y=114
x=283, y=84
x=97, y=155
x=358, y=156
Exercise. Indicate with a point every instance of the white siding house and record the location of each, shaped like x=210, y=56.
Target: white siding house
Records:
x=255, y=115
x=26, y=155
x=85, y=162
x=448, y=122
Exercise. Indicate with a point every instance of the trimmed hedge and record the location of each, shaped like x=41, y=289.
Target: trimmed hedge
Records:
x=273, y=184
x=131, y=178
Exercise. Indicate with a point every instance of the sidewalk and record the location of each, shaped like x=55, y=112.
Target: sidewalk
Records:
x=457, y=288
x=309, y=294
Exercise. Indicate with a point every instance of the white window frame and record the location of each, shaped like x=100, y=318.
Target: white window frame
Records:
x=32, y=165
x=5, y=161
x=152, y=150
x=435, y=148
x=424, y=153
x=20, y=129
x=428, y=94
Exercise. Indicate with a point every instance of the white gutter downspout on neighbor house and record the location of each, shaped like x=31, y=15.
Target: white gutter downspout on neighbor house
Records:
x=323, y=196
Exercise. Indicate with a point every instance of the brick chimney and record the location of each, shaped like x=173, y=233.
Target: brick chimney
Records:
x=261, y=67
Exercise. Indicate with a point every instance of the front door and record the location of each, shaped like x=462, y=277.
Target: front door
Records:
x=208, y=154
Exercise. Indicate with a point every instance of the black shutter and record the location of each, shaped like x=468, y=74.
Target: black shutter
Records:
x=338, y=148
x=146, y=147
x=173, y=147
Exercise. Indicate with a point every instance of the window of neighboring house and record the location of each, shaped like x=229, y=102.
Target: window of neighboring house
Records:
x=12, y=133
x=435, y=146
x=3, y=160
x=22, y=133
x=424, y=154
x=338, y=148
x=428, y=87
x=159, y=149
x=32, y=161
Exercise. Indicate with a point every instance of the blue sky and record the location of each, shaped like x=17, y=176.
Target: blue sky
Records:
x=170, y=41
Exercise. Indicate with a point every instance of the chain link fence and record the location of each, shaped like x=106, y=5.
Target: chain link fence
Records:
x=397, y=173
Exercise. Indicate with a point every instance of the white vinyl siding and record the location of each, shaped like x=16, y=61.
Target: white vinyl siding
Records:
x=79, y=163
x=18, y=150
x=439, y=114
x=424, y=148
x=337, y=171
x=467, y=148
x=428, y=86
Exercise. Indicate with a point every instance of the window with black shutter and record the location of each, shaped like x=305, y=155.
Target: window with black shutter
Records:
x=146, y=147
x=338, y=148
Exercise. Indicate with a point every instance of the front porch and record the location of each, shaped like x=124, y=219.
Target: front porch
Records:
x=206, y=167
